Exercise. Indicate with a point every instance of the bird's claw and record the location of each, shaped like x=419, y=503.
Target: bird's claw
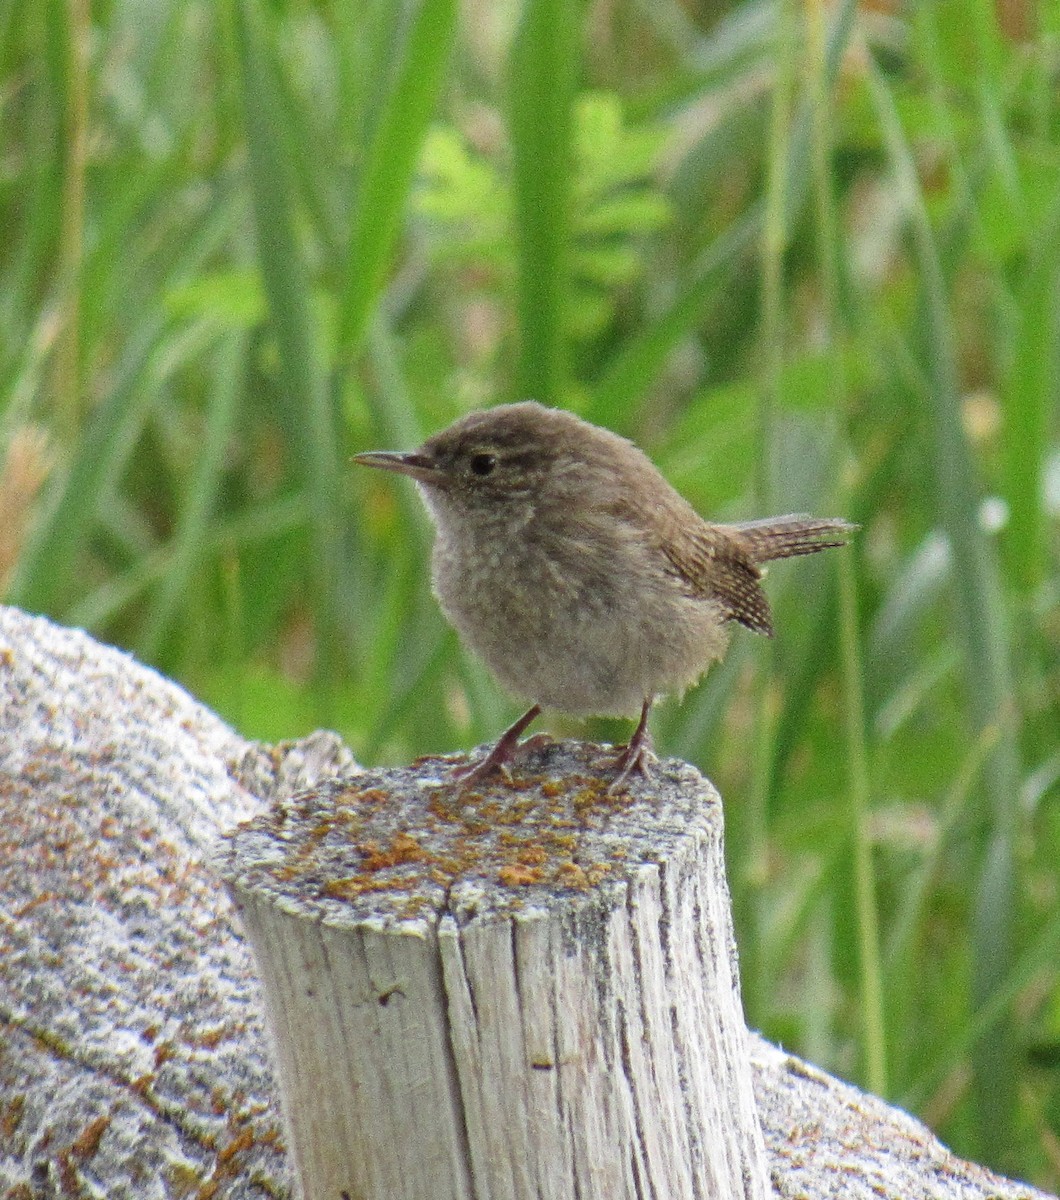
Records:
x=476, y=772
x=634, y=759
x=505, y=749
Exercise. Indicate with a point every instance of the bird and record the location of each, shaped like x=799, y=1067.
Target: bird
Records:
x=583, y=580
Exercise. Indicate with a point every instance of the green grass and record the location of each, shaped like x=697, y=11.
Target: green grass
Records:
x=806, y=254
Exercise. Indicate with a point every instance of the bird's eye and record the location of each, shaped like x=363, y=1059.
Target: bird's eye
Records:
x=482, y=464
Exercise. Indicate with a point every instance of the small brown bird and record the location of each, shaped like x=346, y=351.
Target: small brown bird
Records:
x=576, y=572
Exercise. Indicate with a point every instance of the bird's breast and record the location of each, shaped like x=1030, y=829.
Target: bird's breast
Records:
x=580, y=624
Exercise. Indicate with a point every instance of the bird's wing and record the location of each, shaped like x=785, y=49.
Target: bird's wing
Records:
x=718, y=564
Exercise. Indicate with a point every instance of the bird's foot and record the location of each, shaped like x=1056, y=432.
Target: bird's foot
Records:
x=637, y=756
x=472, y=773
x=496, y=761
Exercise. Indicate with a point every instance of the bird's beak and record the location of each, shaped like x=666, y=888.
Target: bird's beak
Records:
x=412, y=463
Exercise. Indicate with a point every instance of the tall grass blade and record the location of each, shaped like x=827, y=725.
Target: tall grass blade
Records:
x=646, y=353
x=982, y=627
x=753, y=830
x=829, y=251
x=388, y=165
x=202, y=489
x=75, y=50
x=913, y=902
x=1030, y=398
x=34, y=232
x=642, y=358
x=543, y=73
x=285, y=274
x=1036, y=960
x=245, y=532
x=50, y=560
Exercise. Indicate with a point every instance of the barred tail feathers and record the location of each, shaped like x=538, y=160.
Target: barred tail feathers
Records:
x=792, y=535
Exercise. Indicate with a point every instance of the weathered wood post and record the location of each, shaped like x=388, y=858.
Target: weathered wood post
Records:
x=523, y=991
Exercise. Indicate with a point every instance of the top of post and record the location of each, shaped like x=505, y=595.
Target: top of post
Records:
x=403, y=846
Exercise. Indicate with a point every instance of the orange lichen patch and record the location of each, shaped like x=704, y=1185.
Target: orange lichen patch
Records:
x=416, y=906
x=446, y=759
x=68, y=1180
x=110, y=828
x=29, y=906
x=519, y=876
x=439, y=807
x=242, y=1141
x=588, y=797
x=525, y=843
x=449, y=865
x=515, y=814
x=572, y=875
x=402, y=849
x=271, y=1137
x=11, y=1115
x=345, y=822
x=352, y=887
x=561, y=822
x=532, y=856
x=182, y=1180
x=372, y=796
x=518, y=784
x=164, y=1051
x=477, y=829
x=87, y=1143
x=210, y=1039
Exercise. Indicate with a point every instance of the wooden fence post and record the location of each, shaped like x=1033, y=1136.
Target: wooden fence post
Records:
x=524, y=991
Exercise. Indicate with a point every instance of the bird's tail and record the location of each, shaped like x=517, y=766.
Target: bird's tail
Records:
x=786, y=537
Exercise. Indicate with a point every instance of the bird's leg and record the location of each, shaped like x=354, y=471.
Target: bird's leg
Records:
x=501, y=753
x=637, y=755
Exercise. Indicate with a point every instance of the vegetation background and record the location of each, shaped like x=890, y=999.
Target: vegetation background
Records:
x=806, y=253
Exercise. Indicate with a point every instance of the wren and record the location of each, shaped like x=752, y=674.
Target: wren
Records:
x=574, y=570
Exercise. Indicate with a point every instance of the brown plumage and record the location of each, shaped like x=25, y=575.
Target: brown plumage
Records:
x=578, y=574
x=722, y=561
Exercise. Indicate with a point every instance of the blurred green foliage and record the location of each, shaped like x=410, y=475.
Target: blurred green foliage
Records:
x=808, y=255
